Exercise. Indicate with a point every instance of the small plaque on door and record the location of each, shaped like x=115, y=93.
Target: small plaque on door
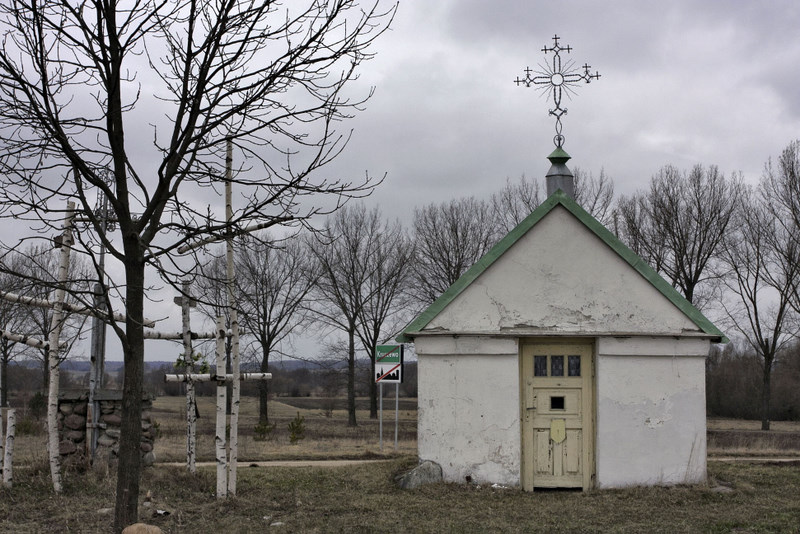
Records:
x=558, y=430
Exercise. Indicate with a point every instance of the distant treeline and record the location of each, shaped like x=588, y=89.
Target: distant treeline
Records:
x=289, y=379
x=734, y=379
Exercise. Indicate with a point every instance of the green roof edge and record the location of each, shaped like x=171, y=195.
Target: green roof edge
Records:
x=605, y=235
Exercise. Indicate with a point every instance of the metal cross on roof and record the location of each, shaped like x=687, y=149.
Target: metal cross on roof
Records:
x=559, y=78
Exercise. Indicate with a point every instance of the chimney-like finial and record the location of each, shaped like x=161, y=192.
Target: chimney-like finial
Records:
x=559, y=176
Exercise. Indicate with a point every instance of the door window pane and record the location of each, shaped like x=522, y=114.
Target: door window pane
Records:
x=574, y=365
x=556, y=403
x=556, y=366
x=540, y=366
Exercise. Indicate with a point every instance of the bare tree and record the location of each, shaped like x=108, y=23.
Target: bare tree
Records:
x=36, y=267
x=383, y=313
x=13, y=319
x=782, y=186
x=761, y=260
x=514, y=202
x=518, y=199
x=79, y=81
x=595, y=195
x=210, y=292
x=348, y=266
x=273, y=281
x=449, y=238
x=677, y=226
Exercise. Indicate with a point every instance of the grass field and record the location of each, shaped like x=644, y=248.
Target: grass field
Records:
x=761, y=498
x=326, y=436
x=363, y=498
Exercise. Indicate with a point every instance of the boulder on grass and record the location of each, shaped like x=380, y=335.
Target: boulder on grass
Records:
x=425, y=473
x=141, y=528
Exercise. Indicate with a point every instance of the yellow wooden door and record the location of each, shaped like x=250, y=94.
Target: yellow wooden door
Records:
x=557, y=414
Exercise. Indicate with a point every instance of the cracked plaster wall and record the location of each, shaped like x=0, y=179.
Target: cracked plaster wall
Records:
x=549, y=283
x=651, y=417
x=469, y=408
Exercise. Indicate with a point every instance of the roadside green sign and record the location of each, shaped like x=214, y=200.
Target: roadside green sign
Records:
x=389, y=363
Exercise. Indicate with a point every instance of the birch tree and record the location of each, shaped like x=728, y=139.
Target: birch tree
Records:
x=149, y=93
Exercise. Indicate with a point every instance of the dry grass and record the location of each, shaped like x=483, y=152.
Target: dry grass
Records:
x=737, y=437
x=718, y=423
x=325, y=437
x=764, y=498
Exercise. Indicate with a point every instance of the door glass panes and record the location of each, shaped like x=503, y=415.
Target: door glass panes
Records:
x=574, y=365
x=556, y=403
x=556, y=366
x=540, y=366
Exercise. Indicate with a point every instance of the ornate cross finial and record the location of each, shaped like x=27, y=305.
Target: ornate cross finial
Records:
x=558, y=78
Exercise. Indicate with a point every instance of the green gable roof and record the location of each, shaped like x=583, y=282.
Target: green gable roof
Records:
x=556, y=199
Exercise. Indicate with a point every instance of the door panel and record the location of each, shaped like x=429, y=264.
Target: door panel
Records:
x=557, y=415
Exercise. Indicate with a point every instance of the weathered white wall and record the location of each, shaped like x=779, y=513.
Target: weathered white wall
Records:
x=560, y=279
x=651, y=416
x=469, y=407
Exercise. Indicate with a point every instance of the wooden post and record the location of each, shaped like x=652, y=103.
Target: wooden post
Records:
x=219, y=440
x=191, y=425
x=232, y=307
x=11, y=426
x=2, y=439
x=186, y=303
x=222, y=393
x=55, y=332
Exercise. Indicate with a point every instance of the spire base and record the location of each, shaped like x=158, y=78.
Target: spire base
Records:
x=559, y=176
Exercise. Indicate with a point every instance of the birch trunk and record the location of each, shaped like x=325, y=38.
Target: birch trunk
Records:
x=222, y=390
x=55, y=333
x=8, y=457
x=232, y=304
x=191, y=402
x=191, y=424
x=2, y=438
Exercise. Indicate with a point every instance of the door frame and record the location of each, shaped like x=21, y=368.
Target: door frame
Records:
x=589, y=400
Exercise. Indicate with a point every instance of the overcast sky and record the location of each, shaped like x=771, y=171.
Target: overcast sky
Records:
x=682, y=83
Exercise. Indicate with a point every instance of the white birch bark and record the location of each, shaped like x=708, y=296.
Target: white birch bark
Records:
x=197, y=377
x=8, y=456
x=2, y=438
x=191, y=427
x=66, y=306
x=191, y=401
x=222, y=393
x=232, y=305
x=55, y=333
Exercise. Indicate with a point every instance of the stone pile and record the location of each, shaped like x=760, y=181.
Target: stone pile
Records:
x=74, y=430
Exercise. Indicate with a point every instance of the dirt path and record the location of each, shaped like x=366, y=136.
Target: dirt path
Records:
x=756, y=459
x=284, y=463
